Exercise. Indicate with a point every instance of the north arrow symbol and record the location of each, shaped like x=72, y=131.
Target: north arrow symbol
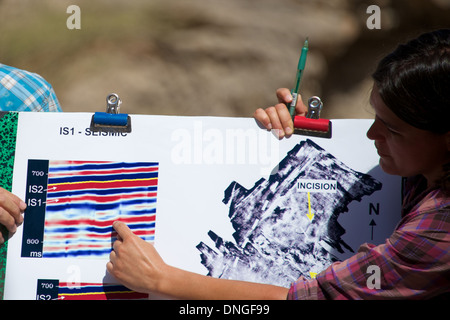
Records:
x=372, y=224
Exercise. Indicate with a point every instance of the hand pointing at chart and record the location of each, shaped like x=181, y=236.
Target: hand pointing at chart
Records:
x=11, y=210
x=134, y=262
x=138, y=266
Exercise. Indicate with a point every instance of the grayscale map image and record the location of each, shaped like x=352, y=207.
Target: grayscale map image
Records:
x=287, y=226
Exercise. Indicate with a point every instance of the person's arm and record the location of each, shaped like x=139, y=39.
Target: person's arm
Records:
x=11, y=209
x=138, y=266
x=278, y=117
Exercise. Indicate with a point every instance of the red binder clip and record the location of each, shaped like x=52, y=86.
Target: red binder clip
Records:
x=312, y=125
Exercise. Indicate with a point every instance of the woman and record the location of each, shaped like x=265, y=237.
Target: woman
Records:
x=411, y=99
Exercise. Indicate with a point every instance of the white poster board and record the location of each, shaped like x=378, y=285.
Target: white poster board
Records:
x=219, y=196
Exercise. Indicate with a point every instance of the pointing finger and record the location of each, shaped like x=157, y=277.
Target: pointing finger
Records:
x=122, y=230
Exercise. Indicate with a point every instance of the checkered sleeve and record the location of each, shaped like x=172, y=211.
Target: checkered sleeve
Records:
x=21, y=90
x=414, y=263
x=50, y=102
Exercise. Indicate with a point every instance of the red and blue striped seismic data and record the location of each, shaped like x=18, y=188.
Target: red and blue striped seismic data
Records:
x=84, y=198
x=98, y=291
x=56, y=290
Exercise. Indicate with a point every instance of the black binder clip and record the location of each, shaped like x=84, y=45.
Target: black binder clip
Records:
x=312, y=124
x=111, y=120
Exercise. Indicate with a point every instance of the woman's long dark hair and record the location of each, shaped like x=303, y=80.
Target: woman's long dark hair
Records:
x=414, y=83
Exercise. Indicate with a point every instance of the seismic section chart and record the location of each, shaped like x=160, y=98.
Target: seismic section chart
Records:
x=71, y=206
x=56, y=290
x=286, y=226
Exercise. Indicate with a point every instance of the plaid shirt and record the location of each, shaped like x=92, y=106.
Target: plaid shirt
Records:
x=414, y=263
x=21, y=90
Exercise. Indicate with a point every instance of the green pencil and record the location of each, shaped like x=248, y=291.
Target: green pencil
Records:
x=300, y=68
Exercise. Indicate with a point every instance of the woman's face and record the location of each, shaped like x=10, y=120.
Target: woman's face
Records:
x=403, y=149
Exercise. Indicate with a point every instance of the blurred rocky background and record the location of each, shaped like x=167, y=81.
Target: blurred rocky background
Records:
x=209, y=57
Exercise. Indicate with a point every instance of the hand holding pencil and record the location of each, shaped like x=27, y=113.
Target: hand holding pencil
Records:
x=278, y=117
